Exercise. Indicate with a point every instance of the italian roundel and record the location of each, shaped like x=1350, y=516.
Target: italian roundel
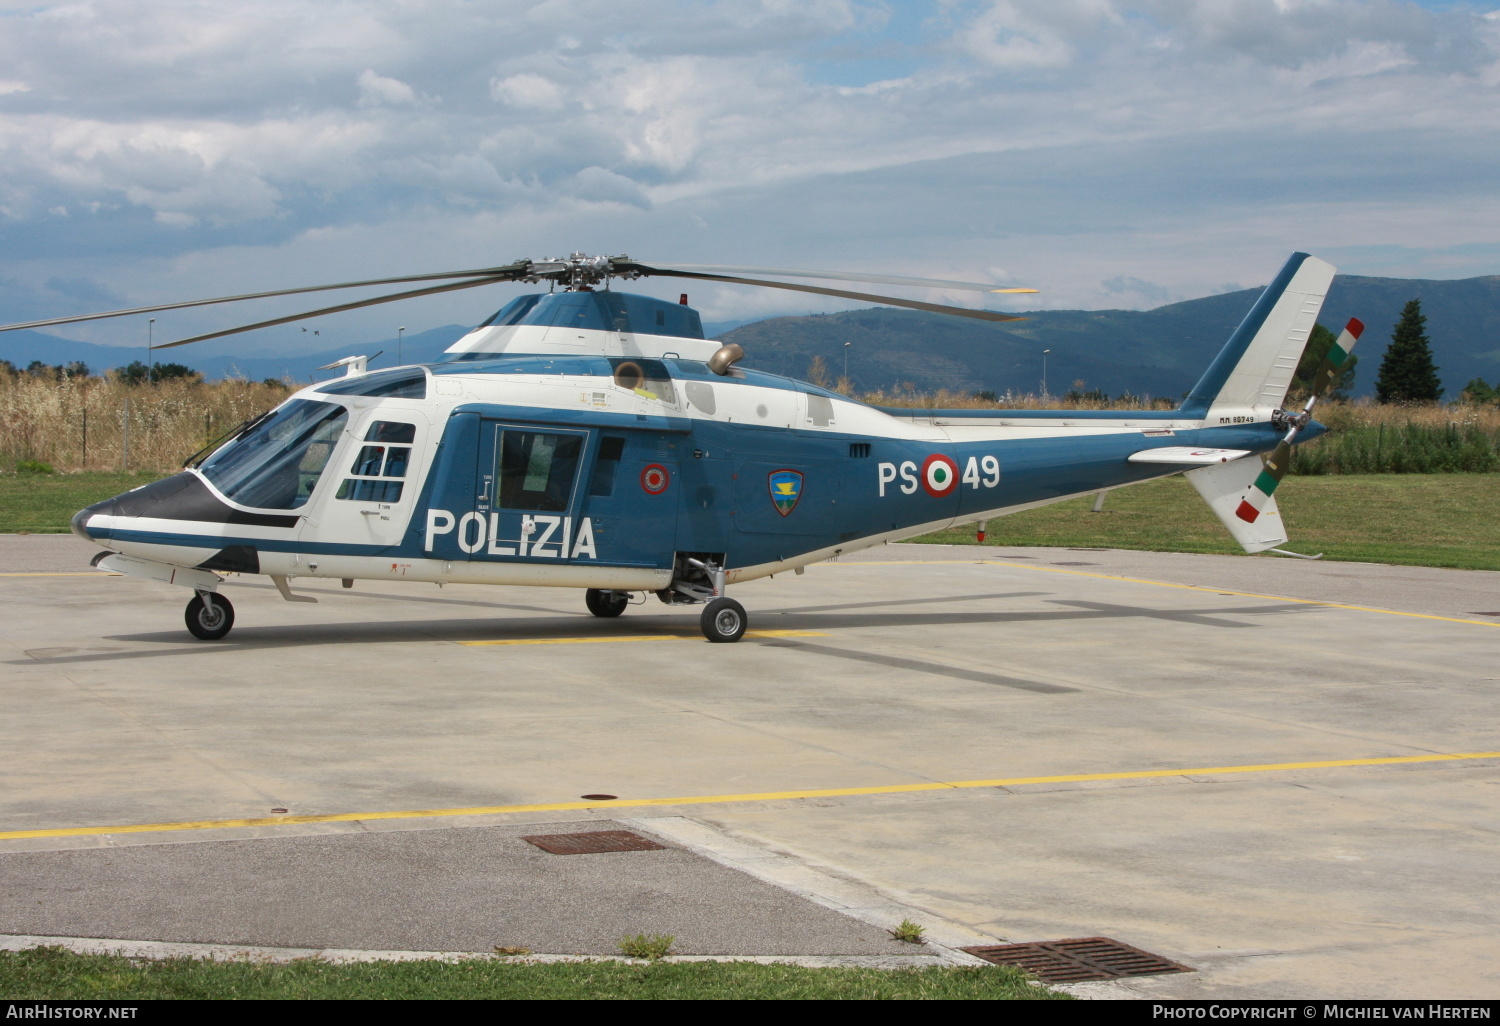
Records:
x=939, y=476
x=655, y=478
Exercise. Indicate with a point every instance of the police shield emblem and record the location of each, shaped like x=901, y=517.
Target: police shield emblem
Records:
x=786, y=489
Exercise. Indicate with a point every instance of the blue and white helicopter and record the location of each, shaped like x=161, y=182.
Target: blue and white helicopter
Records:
x=593, y=439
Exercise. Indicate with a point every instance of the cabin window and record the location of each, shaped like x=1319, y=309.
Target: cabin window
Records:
x=819, y=410
x=536, y=470
x=277, y=463
x=701, y=395
x=375, y=466
x=611, y=448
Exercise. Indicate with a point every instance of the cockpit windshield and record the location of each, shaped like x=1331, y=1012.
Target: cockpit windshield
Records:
x=276, y=464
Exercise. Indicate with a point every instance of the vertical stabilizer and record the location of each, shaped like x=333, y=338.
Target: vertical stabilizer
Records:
x=1250, y=376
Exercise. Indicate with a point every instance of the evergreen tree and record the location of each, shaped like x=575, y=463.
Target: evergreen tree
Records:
x=1478, y=392
x=1407, y=374
x=1318, y=344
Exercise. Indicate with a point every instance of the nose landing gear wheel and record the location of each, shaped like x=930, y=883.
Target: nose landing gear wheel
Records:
x=605, y=603
x=723, y=620
x=209, y=616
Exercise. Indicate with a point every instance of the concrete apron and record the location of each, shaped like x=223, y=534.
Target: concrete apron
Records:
x=904, y=675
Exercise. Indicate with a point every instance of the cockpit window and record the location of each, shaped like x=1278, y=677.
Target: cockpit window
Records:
x=278, y=462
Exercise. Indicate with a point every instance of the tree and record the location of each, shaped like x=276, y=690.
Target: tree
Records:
x=1318, y=344
x=1407, y=374
x=133, y=373
x=1479, y=393
x=172, y=371
x=137, y=373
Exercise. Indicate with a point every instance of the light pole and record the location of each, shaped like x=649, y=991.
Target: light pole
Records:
x=399, y=333
x=150, y=350
x=1044, y=372
x=846, y=359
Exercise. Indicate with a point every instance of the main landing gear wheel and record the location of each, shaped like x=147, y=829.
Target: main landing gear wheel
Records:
x=723, y=620
x=606, y=603
x=209, y=616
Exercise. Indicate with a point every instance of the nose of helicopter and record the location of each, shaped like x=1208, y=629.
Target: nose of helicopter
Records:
x=80, y=521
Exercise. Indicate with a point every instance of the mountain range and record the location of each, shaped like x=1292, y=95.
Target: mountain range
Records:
x=1158, y=352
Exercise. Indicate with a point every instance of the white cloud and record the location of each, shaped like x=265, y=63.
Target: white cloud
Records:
x=526, y=91
x=378, y=91
x=1092, y=146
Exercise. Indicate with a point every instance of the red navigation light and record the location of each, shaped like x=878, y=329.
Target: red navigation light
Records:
x=682, y=300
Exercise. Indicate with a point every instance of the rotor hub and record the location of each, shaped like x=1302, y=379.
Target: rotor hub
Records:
x=578, y=271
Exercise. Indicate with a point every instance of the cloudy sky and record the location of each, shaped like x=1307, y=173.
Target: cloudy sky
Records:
x=1112, y=153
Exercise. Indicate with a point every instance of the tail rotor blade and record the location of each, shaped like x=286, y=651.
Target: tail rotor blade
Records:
x=1258, y=495
x=1333, y=361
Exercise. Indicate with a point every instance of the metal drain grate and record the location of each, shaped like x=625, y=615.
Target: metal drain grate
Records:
x=594, y=842
x=1080, y=959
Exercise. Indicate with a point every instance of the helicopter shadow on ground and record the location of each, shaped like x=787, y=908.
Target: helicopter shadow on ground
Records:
x=559, y=626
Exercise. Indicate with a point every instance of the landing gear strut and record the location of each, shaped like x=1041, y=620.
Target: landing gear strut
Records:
x=606, y=603
x=209, y=616
x=699, y=577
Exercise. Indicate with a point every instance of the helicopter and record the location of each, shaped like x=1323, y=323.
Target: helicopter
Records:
x=594, y=439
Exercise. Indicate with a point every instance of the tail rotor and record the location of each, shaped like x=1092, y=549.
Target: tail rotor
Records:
x=1264, y=486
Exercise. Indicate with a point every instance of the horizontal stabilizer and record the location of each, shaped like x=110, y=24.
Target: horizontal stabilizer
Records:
x=1187, y=454
x=1223, y=486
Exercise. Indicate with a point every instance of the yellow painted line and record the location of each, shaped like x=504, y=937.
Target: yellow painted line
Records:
x=1162, y=584
x=639, y=637
x=765, y=796
x=575, y=641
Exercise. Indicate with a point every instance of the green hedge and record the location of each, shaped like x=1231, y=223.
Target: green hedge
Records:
x=1403, y=449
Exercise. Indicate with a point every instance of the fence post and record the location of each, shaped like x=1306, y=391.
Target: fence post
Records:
x=125, y=442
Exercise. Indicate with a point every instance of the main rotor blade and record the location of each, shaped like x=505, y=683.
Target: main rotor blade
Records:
x=879, y=279
x=510, y=270
x=337, y=309
x=864, y=297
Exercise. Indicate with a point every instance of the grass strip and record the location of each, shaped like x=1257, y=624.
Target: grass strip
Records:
x=1448, y=520
x=53, y=973
x=44, y=503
